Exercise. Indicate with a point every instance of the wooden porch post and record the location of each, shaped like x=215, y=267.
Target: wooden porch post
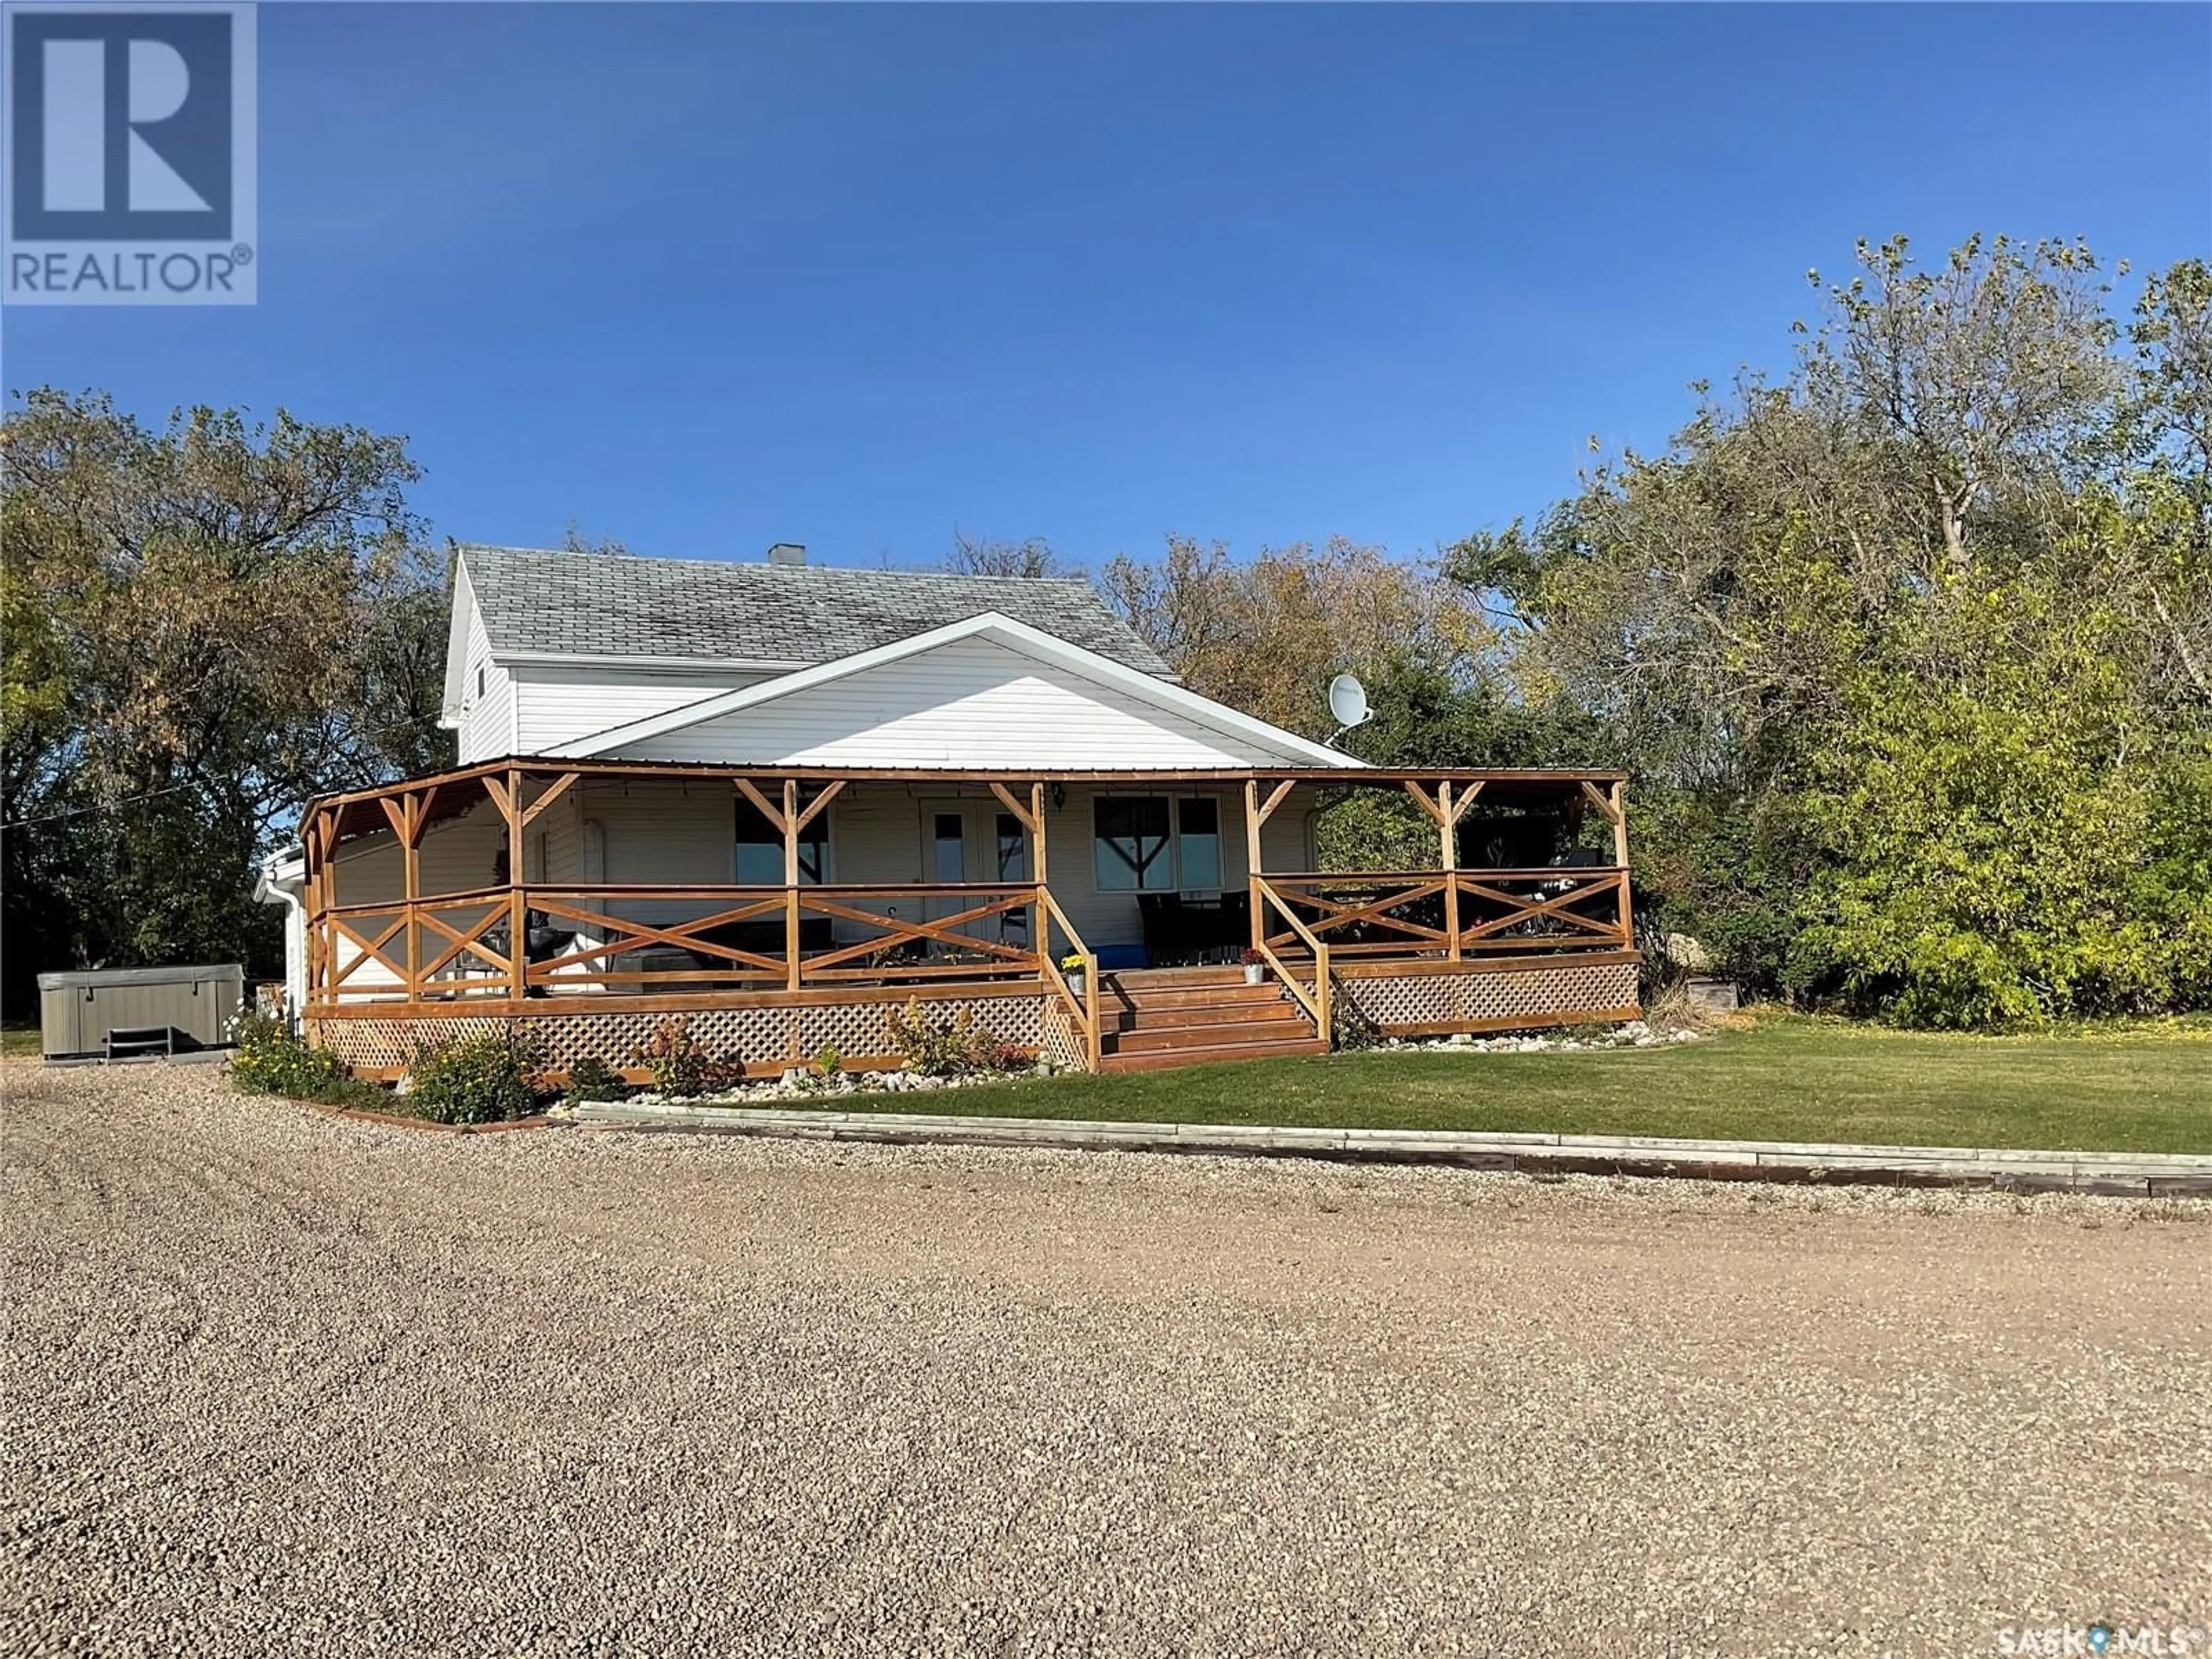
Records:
x=419, y=814
x=1447, y=836
x=411, y=808
x=784, y=816
x=1040, y=929
x=1257, y=814
x=310, y=892
x=1613, y=801
x=1618, y=794
x=1455, y=809
x=518, y=940
x=791, y=882
x=327, y=834
x=401, y=814
x=1253, y=861
x=1446, y=810
x=1031, y=819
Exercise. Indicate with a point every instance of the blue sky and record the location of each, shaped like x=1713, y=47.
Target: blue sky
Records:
x=706, y=278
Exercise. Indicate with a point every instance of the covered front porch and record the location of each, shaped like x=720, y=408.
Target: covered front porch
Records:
x=1087, y=916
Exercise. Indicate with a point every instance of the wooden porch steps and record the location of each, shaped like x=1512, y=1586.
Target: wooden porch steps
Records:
x=1156, y=1018
x=1293, y=1027
x=1164, y=1058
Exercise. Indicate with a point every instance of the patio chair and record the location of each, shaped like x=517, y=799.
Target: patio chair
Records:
x=541, y=940
x=1160, y=916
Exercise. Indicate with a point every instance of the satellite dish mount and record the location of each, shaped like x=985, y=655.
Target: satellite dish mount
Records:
x=1347, y=704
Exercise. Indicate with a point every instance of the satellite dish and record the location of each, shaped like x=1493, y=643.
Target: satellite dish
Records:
x=1347, y=703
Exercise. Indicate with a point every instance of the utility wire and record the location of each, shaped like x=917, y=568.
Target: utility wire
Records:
x=105, y=806
x=167, y=789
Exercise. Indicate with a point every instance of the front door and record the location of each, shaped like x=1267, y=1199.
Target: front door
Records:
x=974, y=841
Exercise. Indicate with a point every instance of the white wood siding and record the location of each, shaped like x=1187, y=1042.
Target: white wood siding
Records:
x=456, y=855
x=971, y=702
x=556, y=705
x=487, y=729
x=1287, y=839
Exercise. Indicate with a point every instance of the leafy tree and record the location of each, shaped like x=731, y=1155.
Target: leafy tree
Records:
x=206, y=624
x=1268, y=635
x=1907, y=649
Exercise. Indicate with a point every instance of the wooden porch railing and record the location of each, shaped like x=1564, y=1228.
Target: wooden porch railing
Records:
x=1086, y=1007
x=1454, y=914
x=615, y=939
x=1316, y=1001
x=378, y=952
x=459, y=947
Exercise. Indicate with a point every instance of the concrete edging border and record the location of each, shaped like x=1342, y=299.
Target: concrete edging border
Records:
x=2134, y=1175
x=400, y=1120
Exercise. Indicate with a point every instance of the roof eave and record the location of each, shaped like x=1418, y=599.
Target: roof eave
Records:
x=518, y=658
x=1021, y=636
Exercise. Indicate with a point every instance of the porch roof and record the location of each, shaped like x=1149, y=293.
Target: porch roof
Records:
x=1500, y=783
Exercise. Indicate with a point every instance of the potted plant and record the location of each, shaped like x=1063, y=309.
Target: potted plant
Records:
x=1072, y=965
x=1255, y=966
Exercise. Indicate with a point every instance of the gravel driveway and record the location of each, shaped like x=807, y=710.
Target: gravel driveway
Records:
x=277, y=1384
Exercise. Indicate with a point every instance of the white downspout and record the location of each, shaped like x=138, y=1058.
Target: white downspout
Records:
x=280, y=885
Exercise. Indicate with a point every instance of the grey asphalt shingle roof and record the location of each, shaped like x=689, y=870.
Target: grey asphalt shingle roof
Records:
x=607, y=604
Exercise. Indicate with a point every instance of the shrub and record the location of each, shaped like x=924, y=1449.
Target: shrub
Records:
x=1352, y=1026
x=593, y=1078
x=479, y=1079
x=270, y=1060
x=947, y=1048
x=681, y=1065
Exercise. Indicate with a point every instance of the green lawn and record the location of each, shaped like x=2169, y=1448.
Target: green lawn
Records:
x=19, y=1042
x=2107, y=1089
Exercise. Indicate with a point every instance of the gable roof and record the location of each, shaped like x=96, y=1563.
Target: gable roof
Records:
x=1135, y=684
x=537, y=603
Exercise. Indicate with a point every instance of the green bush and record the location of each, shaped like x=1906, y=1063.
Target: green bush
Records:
x=480, y=1079
x=593, y=1078
x=270, y=1060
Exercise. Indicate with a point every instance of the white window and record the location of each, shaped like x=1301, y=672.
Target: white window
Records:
x=948, y=845
x=1135, y=850
x=1130, y=845
x=760, y=849
x=1198, y=843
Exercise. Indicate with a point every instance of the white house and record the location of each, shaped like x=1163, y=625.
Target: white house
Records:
x=772, y=797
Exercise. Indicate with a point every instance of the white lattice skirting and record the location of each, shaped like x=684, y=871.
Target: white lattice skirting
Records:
x=765, y=1039
x=1063, y=1043
x=1494, y=1000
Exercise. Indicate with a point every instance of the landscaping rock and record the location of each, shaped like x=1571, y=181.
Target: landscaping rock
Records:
x=1575, y=1040
x=801, y=1083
